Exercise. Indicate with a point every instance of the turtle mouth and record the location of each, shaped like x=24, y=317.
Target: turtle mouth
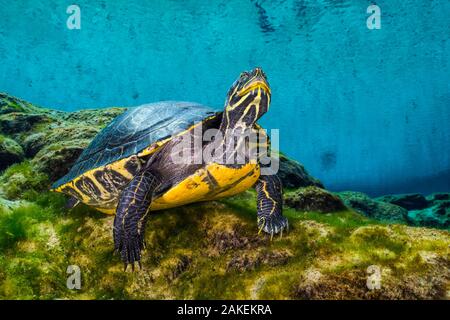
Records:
x=257, y=84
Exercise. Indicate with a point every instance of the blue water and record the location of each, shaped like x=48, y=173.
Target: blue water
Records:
x=362, y=109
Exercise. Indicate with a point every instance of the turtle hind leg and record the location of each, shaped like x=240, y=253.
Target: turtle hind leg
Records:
x=131, y=217
x=270, y=205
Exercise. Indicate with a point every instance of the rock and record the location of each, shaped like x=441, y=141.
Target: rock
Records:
x=248, y=262
x=314, y=199
x=60, y=146
x=18, y=180
x=222, y=241
x=56, y=159
x=33, y=143
x=294, y=175
x=436, y=216
x=97, y=118
x=10, y=152
x=176, y=266
x=212, y=250
x=20, y=123
x=371, y=208
x=411, y=201
x=53, y=139
x=9, y=104
x=438, y=196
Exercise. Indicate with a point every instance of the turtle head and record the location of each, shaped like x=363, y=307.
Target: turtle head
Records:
x=248, y=99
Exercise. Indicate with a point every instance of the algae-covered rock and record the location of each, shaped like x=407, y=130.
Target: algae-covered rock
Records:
x=314, y=199
x=437, y=216
x=20, y=179
x=209, y=251
x=56, y=159
x=372, y=208
x=409, y=201
x=9, y=104
x=432, y=211
x=52, y=139
x=438, y=196
x=17, y=124
x=10, y=152
x=212, y=251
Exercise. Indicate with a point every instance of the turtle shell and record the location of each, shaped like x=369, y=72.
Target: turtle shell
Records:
x=135, y=130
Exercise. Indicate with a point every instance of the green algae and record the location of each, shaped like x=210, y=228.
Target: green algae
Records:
x=21, y=180
x=190, y=250
x=209, y=250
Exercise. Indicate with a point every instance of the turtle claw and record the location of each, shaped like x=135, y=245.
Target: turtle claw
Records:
x=261, y=223
x=273, y=225
x=129, y=249
x=133, y=264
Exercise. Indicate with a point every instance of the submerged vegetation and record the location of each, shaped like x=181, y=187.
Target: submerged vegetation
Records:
x=207, y=250
x=212, y=250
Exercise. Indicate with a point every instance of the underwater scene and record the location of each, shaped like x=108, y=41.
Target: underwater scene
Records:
x=239, y=149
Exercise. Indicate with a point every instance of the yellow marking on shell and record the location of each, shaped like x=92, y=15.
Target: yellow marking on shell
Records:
x=243, y=185
x=191, y=189
x=110, y=211
x=118, y=166
x=198, y=187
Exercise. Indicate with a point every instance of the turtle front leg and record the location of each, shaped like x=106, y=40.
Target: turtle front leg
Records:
x=131, y=217
x=270, y=205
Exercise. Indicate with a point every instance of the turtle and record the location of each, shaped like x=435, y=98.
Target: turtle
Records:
x=129, y=168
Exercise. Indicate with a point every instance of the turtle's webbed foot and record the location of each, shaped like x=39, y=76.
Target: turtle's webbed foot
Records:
x=273, y=224
x=129, y=249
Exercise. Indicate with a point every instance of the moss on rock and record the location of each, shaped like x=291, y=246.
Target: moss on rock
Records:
x=314, y=199
x=212, y=250
x=10, y=152
x=21, y=180
x=372, y=208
